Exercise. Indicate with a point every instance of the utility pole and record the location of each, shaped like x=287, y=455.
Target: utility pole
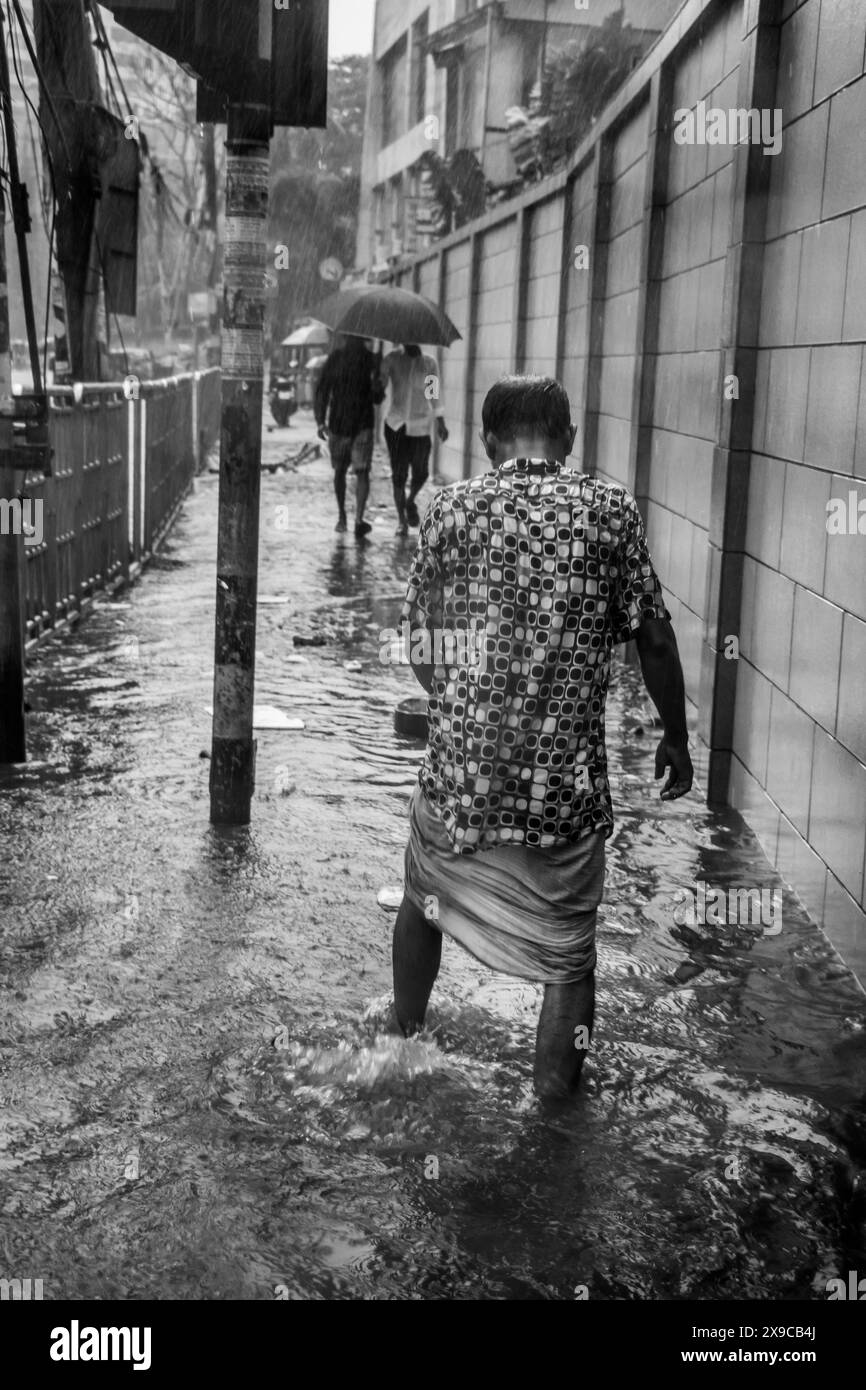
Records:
x=232, y=774
x=267, y=60
x=13, y=743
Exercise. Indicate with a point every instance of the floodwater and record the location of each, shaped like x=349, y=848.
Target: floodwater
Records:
x=199, y=1094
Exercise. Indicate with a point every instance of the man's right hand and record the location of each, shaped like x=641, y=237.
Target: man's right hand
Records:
x=322, y=433
x=674, y=754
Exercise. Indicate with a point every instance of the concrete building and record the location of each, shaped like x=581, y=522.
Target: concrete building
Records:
x=444, y=74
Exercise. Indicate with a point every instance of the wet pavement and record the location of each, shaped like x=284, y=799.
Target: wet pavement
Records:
x=199, y=1095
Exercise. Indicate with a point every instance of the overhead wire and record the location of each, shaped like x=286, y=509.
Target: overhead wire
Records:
x=161, y=189
x=16, y=63
x=104, y=43
x=47, y=197
x=37, y=67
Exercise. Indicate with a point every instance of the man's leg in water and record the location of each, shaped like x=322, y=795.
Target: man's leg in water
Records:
x=341, y=454
x=362, y=492
x=421, y=449
x=362, y=462
x=399, y=469
x=416, y=956
x=558, y=1062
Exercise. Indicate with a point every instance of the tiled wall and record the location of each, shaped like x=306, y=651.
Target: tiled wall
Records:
x=800, y=731
x=619, y=244
x=543, y=287
x=796, y=743
x=497, y=272
x=458, y=260
x=697, y=223
x=576, y=289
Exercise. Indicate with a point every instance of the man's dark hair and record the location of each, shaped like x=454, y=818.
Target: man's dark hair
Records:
x=526, y=405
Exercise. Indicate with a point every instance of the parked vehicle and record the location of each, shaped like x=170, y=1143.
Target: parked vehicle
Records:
x=282, y=399
x=291, y=360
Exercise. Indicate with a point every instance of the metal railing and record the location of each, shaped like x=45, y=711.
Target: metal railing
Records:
x=120, y=470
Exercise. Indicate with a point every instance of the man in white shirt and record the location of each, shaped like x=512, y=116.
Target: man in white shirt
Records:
x=414, y=403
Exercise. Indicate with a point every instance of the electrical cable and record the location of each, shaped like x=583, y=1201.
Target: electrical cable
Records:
x=105, y=44
x=44, y=87
x=16, y=62
x=161, y=187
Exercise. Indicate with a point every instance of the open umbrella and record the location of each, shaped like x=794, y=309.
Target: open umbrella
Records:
x=381, y=311
x=312, y=335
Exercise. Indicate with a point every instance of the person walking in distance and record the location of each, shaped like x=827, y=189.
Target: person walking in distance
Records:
x=414, y=404
x=346, y=396
x=540, y=571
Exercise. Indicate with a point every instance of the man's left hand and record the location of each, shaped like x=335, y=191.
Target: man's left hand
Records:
x=441, y=429
x=674, y=755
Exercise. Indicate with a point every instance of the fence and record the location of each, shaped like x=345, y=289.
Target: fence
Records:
x=120, y=470
x=705, y=305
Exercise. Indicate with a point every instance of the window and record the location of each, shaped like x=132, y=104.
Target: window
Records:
x=394, y=67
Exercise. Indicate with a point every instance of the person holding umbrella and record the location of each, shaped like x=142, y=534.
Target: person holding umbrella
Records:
x=415, y=403
x=346, y=395
x=395, y=315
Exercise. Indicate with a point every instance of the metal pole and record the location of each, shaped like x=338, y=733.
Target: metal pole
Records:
x=232, y=774
x=13, y=746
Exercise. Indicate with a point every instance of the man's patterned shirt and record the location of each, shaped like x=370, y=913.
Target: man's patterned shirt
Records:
x=542, y=570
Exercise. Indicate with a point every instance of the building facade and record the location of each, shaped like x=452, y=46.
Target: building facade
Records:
x=444, y=75
x=154, y=92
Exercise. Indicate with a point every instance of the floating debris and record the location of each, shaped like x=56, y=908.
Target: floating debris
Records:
x=390, y=897
x=269, y=717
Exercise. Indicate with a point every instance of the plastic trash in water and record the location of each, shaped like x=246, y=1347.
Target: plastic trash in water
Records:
x=390, y=897
x=269, y=717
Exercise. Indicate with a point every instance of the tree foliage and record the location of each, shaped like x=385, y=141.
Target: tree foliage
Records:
x=581, y=79
x=315, y=192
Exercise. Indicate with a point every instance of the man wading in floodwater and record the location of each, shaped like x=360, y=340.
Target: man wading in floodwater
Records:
x=509, y=820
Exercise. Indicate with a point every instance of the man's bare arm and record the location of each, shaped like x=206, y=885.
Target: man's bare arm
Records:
x=663, y=677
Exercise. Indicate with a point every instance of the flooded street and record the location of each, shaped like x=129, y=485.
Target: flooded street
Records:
x=199, y=1094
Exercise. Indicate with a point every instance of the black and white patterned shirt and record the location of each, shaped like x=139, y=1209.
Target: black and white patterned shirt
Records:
x=542, y=570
